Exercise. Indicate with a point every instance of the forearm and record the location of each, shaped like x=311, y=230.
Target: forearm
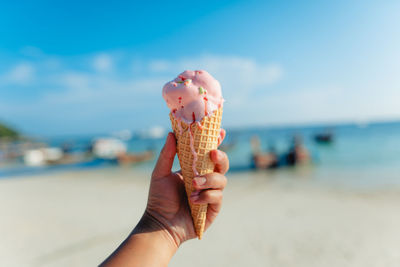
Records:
x=148, y=245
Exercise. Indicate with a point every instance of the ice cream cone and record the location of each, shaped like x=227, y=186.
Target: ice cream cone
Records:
x=194, y=143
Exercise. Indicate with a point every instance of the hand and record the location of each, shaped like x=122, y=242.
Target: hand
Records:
x=167, y=202
x=167, y=222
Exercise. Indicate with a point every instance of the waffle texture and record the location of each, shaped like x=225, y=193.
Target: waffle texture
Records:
x=204, y=139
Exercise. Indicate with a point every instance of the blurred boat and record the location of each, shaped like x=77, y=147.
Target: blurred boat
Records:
x=324, y=138
x=115, y=150
x=108, y=148
x=51, y=156
x=42, y=156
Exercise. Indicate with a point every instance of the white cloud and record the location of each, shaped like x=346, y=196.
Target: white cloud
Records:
x=21, y=74
x=103, y=62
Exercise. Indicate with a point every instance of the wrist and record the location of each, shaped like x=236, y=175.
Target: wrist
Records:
x=149, y=244
x=150, y=224
x=169, y=228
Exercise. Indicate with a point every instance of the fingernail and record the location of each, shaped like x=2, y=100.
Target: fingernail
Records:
x=195, y=197
x=199, y=180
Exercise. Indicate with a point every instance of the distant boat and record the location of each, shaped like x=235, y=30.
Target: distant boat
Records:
x=324, y=138
x=42, y=156
x=47, y=156
x=108, y=148
x=114, y=149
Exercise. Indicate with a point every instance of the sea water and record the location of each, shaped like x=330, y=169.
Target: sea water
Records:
x=365, y=154
x=362, y=154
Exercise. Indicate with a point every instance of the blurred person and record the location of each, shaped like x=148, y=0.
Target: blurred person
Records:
x=298, y=153
x=166, y=222
x=260, y=160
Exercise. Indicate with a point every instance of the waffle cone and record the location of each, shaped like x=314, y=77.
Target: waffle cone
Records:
x=205, y=139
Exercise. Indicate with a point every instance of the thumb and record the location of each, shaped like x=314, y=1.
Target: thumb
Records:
x=166, y=158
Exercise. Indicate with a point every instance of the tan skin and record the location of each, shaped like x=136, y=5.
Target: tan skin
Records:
x=167, y=222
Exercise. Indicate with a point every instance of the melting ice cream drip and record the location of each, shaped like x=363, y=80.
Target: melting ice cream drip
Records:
x=194, y=153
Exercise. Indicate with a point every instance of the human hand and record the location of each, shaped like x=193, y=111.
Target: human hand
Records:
x=168, y=203
x=167, y=222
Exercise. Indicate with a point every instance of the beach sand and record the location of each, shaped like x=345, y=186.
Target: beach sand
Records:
x=283, y=219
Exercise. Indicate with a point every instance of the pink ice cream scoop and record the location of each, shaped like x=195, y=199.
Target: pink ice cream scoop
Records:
x=193, y=95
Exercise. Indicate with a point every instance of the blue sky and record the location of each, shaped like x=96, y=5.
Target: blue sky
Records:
x=98, y=67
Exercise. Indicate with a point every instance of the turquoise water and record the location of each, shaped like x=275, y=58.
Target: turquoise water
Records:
x=374, y=146
x=369, y=154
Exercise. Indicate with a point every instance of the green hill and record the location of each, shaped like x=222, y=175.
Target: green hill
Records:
x=7, y=132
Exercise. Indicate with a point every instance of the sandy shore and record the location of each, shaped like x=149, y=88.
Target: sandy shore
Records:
x=79, y=218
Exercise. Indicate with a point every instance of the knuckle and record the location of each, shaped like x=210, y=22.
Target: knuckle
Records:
x=215, y=180
x=221, y=180
x=224, y=181
x=209, y=178
x=223, y=154
x=226, y=159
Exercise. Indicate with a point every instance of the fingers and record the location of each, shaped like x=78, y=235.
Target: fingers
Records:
x=166, y=158
x=220, y=160
x=211, y=197
x=222, y=135
x=208, y=189
x=210, y=181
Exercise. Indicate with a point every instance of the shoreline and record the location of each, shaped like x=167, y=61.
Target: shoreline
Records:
x=353, y=178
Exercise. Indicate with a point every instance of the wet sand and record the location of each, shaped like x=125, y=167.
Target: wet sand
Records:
x=282, y=219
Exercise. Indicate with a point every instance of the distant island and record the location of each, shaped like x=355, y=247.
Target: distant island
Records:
x=7, y=132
